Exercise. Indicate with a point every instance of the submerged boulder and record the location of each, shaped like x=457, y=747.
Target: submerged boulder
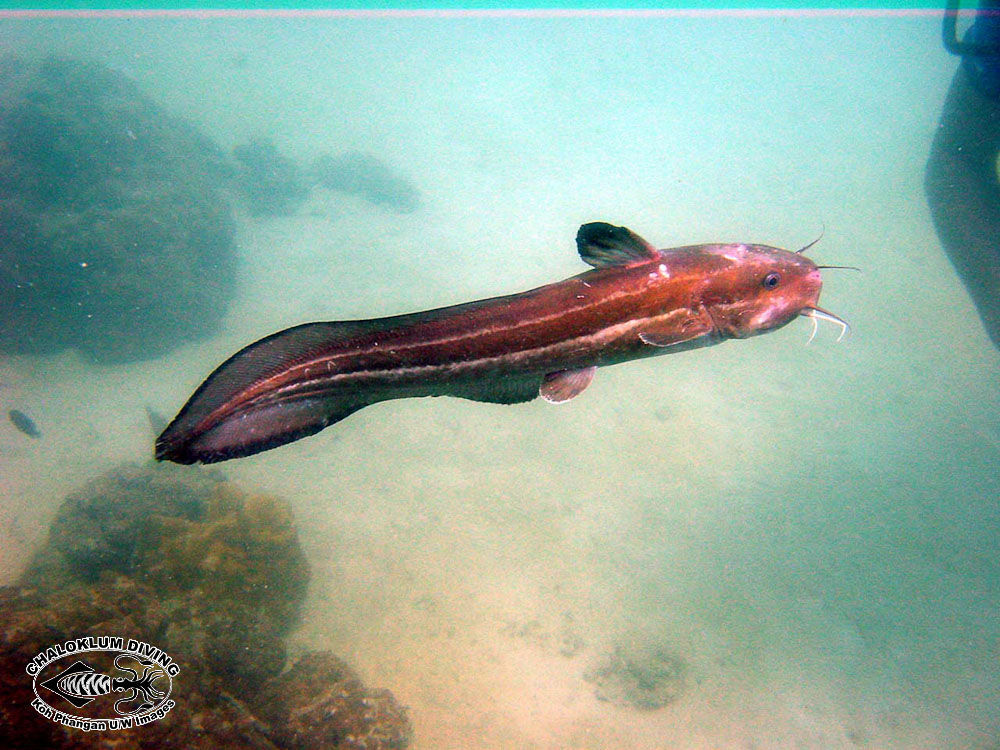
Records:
x=368, y=178
x=115, y=238
x=215, y=577
x=271, y=183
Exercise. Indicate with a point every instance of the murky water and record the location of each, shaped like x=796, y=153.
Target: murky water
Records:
x=809, y=530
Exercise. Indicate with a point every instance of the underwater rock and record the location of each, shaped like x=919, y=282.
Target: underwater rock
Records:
x=320, y=702
x=274, y=185
x=215, y=577
x=645, y=676
x=245, y=551
x=114, y=236
x=105, y=524
x=368, y=178
x=271, y=183
x=226, y=564
x=243, y=547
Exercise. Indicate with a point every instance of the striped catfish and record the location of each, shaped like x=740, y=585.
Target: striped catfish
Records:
x=637, y=301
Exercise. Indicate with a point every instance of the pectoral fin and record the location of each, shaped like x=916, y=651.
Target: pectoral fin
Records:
x=559, y=387
x=675, y=330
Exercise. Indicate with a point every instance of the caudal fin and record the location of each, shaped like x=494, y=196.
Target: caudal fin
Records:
x=246, y=406
x=208, y=429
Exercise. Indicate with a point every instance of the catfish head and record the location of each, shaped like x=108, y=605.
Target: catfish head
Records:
x=756, y=288
x=732, y=290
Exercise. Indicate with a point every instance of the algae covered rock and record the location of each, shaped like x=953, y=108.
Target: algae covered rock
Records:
x=31, y=621
x=320, y=702
x=243, y=547
x=215, y=577
x=225, y=565
x=243, y=551
x=104, y=525
x=115, y=238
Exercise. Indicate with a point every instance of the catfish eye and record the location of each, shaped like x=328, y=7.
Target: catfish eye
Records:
x=771, y=280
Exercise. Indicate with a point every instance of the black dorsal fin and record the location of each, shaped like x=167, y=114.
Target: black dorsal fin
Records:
x=601, y=244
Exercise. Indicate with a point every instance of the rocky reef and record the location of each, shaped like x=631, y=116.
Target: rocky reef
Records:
x=114, y=237
x=271, y=183
x=213, y=576
x=365, y=176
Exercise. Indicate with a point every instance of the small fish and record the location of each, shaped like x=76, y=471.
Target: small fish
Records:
x=24, y=423
x=636, y=302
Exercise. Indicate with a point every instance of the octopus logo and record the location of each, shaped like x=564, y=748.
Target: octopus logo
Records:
x=103, y=683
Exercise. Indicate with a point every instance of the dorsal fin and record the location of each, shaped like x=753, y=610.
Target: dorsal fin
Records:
x=601, y=244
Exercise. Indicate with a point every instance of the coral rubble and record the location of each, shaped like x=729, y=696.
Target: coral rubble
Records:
x=213, y=576
x=645, y=676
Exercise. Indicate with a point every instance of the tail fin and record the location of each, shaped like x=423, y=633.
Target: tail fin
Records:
x=251, y=432
x=229, y=416
x=206, y=431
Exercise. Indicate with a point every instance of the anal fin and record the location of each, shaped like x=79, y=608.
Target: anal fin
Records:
x=254, y=430
x=498, y=389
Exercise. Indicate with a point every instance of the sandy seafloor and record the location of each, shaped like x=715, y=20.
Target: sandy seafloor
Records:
x=813, y=528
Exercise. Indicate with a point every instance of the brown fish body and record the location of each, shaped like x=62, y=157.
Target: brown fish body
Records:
x=548, y=341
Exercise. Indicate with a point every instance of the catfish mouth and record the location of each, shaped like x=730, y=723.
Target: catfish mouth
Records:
x=816, y=314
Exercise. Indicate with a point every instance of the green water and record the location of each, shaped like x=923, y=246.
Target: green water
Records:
x=811, y=529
